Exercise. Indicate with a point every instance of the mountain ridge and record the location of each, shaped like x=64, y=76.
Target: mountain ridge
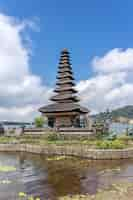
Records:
x=125, y=112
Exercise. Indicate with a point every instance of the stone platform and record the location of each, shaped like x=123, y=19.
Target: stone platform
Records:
x=82, y=151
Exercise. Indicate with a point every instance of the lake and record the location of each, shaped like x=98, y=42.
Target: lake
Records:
x=41, y=176
x=120, y=128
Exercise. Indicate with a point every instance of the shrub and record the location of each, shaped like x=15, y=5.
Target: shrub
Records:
x=39, y=122
x=102, y=144
x=102, y=135
x=106, y=144
x=53, y=137
x=117, y=144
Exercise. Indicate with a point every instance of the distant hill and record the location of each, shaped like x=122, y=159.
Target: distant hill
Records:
x=126, y=112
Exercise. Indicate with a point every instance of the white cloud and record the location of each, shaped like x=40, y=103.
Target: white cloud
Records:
x=21, y=92
x=112, y=85
x=115, y=60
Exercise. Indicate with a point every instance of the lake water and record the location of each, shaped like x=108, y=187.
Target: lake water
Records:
x=50, y=179
x=120, y=128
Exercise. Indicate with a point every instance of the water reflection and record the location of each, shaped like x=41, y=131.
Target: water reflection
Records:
x=47, y=179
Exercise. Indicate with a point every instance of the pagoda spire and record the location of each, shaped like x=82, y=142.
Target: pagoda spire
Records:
x=65, y=111
x=65, y=81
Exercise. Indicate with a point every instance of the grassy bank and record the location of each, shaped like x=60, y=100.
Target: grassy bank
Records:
x=118, y=143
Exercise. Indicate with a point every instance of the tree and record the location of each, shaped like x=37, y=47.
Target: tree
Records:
x=39, y=122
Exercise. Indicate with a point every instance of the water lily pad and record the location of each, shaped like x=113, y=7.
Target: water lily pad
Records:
x=5, y=181
x=22, y=194
x=7, y=168
x=56, y=158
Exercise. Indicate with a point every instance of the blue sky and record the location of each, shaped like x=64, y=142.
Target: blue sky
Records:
x=87, y=28
x=99, y=35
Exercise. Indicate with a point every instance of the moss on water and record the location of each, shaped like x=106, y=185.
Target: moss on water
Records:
x=7, y=168
x=56, y=158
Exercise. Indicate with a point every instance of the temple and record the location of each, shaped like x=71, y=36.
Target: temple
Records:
x=65, y=111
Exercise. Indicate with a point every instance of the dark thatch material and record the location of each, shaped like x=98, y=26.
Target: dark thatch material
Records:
x=65, y=88
x=63, y=107
x=68, y=66
x=64, y=62
x=63, y=70
x=65, y=75
x=67, y=81
x=61, y=97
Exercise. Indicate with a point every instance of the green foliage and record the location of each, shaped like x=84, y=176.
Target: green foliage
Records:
x=39, y=122
x=101, y=135
x=7, y=140
x=106, y=144
x=118, y=144
x=52, y=137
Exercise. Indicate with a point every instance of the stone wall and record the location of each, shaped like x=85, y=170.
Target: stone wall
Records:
x=70, y=133
x=63, y=121
x=37, y=131
x=69, y=150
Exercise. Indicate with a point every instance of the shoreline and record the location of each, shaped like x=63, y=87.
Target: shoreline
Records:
x=82, y=151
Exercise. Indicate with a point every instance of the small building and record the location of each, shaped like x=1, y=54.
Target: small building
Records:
x=65, y=111
x=122, y=120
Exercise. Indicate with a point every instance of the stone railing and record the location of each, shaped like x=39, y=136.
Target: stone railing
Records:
x=36, y=131
x=65, y=132
x=70, y=150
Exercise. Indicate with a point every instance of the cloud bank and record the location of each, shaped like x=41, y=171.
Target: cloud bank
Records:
x=112, y=83
x=22, y=92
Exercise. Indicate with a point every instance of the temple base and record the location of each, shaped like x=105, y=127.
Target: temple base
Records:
x=67, y=120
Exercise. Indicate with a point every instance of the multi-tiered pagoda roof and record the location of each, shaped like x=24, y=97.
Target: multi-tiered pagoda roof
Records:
x=65, y=99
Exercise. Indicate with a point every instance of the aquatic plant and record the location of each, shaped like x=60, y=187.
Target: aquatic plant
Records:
x=7, y=168
x=5, y=181
x=118, y=169
x=22, y=194
x=56, y=158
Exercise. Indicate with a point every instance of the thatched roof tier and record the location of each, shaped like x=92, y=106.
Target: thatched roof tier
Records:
x=65, y=69
x=65, y=62
x=65, y=88
x=63, y=107
x=65, y=75
x=65, y=66
x=61, y=97
x=64, y=56
x=67, y=81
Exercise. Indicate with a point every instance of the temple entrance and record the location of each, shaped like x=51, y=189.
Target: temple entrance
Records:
x=51, y=121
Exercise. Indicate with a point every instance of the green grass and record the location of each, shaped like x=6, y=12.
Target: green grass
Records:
x=118, y=143
x=7, y=140
x=115, y=144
